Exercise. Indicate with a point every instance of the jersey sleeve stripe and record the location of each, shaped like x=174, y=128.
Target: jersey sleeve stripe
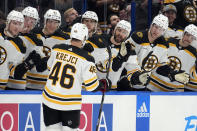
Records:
x=30, y=40
x=130, y=73
x=58, y=38
x=15, y=45
x=166, y=83
x=158, y=86
x=62, y=99
x=37, y=75
x=2, y=80
x=90, y=80
x=93, y=86
x=60, y=102
x=36, y=82
x=17, y=81
x=60, y=95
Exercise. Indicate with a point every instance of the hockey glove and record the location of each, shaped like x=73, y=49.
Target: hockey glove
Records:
x=22, y=68
x=106, y=84
x=35, y=57
x=180, y=76
x=42, y=64
x=123, y=55
x=124, y=51
x=143, y=77
x=139, y=78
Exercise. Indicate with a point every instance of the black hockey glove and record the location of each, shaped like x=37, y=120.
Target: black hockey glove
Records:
x=139, y=78
x=123, y=55
x=22, y=68
x=41, y=65
x=106, y=85
x=88, y=47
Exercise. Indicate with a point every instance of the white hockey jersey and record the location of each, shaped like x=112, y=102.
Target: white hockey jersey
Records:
x=143, y=47
x=11, y=53
x=70, y=68
x=32, y=43
x=179, y=59
x=37, y=80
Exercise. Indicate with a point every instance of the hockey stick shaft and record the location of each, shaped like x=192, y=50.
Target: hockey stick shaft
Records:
x=103, y=93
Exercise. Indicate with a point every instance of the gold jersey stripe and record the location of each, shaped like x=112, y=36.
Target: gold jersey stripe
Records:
x=95, y=46
x=1, y=80
x=30, y=40
x=187, y=51
x=93, y=86
x=90, y=80
x=37, y=75
x=36, y=82
x=17, y=82
x=15, y=45
x=145, y=44
x=60, y=95
x=162, y=46
x=158, y=86
x=57, y=37
x=60, y=102
x=166, y=83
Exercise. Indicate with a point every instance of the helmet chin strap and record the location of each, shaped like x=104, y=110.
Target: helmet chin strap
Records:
x=8, y=33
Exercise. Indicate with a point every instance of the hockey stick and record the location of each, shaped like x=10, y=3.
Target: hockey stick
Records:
x=103, y=93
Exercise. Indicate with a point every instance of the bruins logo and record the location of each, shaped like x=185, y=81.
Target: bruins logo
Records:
x=102, y=67
x=190, y=14
x=139, y=34
x=47, y=51
x=151, y=63
x=175, y=63
x=3, y=55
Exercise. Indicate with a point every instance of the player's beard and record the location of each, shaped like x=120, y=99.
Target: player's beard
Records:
x=118, y=38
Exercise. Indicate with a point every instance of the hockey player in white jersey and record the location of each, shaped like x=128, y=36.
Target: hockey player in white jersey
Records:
x=70, y=68
x=151, y=43
x=182, y=57
x=32, y=44
x=123, y=57
x=50, y=36
x=187, y=60
x=12, y=47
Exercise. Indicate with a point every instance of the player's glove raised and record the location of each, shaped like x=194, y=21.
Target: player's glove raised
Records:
x=123, y=55
x=124, y=51
x=180, y=76
x=106, y=84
